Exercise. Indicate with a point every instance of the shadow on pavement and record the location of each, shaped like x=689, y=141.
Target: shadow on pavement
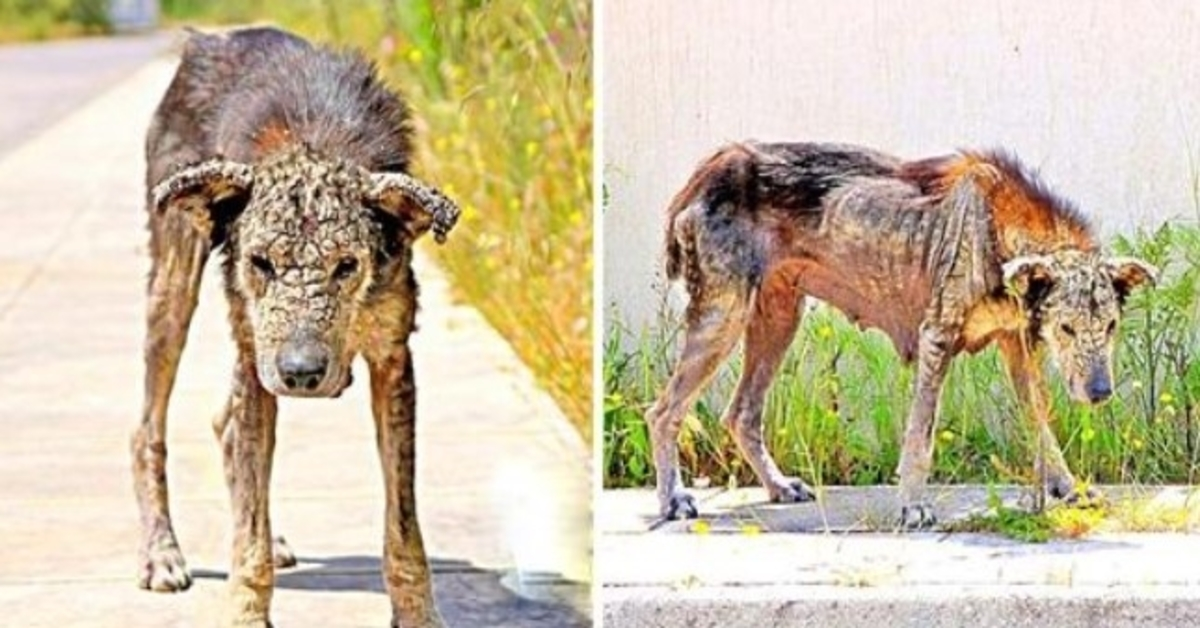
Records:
x=467, y=595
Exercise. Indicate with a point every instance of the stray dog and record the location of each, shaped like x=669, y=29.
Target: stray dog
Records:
x=292, y=159
x=944, y=255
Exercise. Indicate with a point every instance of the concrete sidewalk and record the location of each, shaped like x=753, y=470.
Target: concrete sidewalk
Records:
x=840, y=562
x=503, y=480
x=40, y=83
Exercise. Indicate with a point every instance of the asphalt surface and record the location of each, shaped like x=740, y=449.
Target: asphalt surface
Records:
x=41, y=83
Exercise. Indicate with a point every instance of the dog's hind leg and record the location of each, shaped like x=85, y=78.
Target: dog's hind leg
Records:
x=774, y=316
x=248, y=445
x=713, y=327
x=1025, y=372
x=406, y=570
x=916, y=458
x=179, y=253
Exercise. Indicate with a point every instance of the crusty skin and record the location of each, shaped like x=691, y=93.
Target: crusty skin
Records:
x=292, y=160
x=961, y=251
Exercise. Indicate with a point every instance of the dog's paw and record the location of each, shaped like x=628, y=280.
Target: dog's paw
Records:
x=1076, y=494
x=792, y=492
x=918, y=516
x=164, y=570
x=282, y=553
x=681, y=505
x=432, y=620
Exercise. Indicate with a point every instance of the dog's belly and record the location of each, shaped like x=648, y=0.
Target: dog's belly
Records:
x=872, y=292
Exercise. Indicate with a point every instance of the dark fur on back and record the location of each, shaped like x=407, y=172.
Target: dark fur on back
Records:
x=232, y=87
x=332, y=102
x=798, y=176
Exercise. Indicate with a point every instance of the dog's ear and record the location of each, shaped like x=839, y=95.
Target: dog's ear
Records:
x=1129, y=272
x=210, y=192
x=416, y=205
x=1029, y=277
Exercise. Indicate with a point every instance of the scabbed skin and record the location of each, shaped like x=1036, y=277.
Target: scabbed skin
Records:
x=292, y=159
x=945, y=255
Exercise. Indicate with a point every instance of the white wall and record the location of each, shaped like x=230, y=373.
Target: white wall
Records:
x=1102, y=96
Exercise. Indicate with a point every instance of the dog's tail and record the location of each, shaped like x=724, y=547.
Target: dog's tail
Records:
x=724, y=182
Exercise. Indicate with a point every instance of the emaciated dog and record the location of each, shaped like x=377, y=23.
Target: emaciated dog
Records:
x=944, y=255
x=292, y=159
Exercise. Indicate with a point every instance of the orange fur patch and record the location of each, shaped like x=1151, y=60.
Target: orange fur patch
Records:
x=272, y=137
x=1022, y=219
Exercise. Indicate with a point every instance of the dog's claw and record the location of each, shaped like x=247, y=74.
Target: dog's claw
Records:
x=681, y=506
x=164, y=570
x=282, y=553
x=917, y=517
x=1087, y=498
x=793, y=492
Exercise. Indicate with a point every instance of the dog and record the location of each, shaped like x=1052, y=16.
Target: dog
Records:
x=292, y=160
x=945, y=255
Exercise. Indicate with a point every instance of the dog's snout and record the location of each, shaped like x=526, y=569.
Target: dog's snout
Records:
x=302, y=364
x=1099, y=391
x=1099, y=385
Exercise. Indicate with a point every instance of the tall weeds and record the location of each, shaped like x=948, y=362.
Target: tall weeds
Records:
x=837, y=409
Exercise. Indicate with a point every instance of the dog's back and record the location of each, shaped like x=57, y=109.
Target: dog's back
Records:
x=250, y=92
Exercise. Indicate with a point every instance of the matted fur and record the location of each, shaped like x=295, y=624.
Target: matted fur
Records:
x=291, y=159
x=945, y=255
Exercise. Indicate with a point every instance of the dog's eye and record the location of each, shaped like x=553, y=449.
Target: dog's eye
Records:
x=345, y=269
x=263, y=266
x=1068, y=330
x=1112, y=328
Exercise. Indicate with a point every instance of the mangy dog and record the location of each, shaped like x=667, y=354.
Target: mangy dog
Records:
x=292, y=159
x=944, y=255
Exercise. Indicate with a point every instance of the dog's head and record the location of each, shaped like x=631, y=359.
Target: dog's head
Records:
x=1073, y=300
x=310, y=242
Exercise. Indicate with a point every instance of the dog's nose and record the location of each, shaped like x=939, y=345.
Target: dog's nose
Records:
x=1099, y=390
x=302, y=364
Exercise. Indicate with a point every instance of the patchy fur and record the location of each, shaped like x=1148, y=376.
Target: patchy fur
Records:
x=292, y=160
x=945, y=255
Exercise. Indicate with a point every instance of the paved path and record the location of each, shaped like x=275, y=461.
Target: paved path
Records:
x=41, y=83
x=840, y=563
x=503, y=480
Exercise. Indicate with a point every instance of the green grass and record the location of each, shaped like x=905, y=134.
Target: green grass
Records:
x=836, y=412
x=1133, y=514
x=36, y=20
x=502, y=93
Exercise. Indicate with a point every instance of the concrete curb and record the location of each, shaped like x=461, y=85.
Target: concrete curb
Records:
x=894, y=607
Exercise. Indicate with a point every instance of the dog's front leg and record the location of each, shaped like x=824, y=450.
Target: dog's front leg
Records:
x=179, y=255
x=405, y=568
x=248, y=443
x=1024, y=369
x=916, y=458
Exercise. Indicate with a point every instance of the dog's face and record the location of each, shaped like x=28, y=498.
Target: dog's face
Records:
x=307, y=239
x=303, y=263
x=1075, y=299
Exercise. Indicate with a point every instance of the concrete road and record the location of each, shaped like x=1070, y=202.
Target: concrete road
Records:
x=503, y=480
x=840, y=563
